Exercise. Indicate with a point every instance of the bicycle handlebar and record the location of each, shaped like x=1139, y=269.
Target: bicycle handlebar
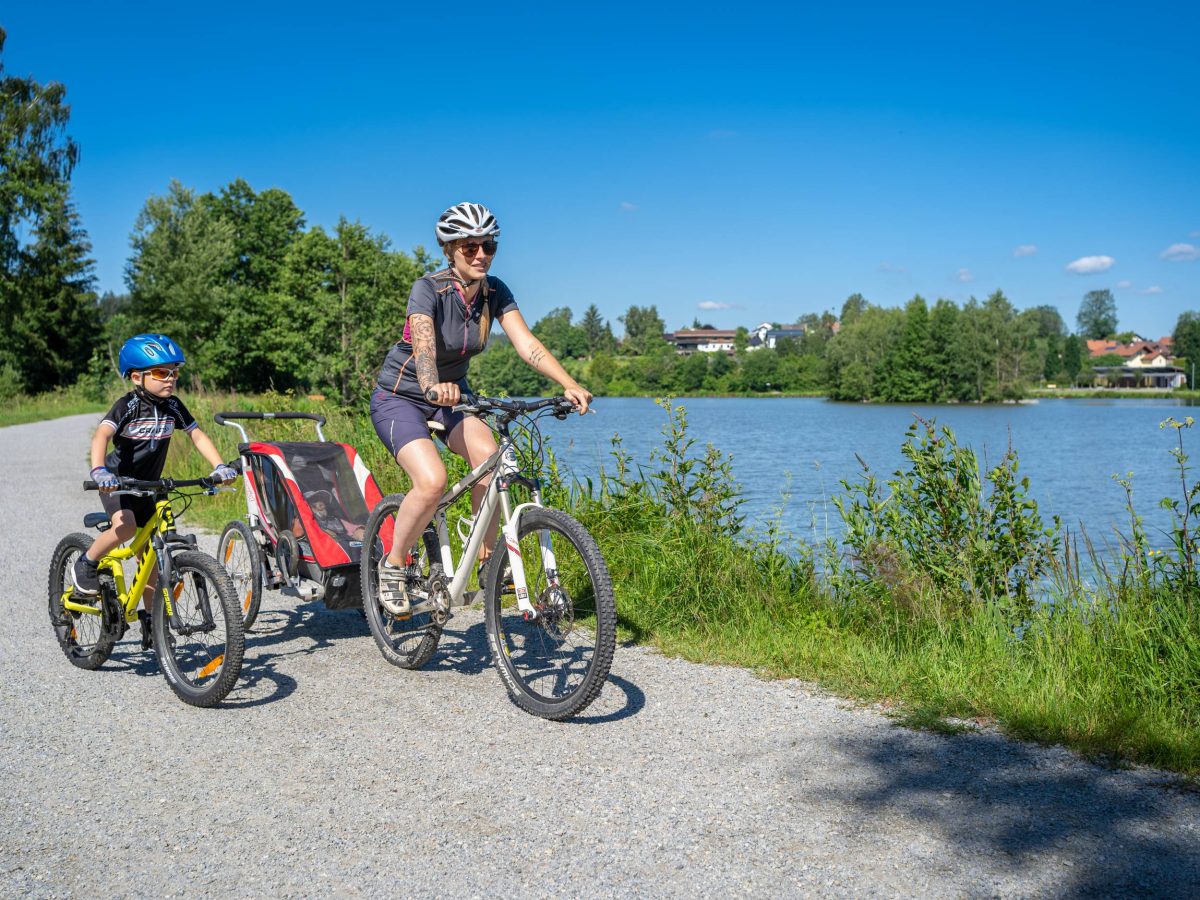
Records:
x=131, y=485
x=477, y=404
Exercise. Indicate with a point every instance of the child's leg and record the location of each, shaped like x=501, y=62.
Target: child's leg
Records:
x=124, y=527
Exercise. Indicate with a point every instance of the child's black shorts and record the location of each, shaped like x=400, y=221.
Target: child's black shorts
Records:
x=141, y=507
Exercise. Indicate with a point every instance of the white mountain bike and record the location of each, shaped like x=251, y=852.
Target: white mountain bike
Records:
x=550, y=613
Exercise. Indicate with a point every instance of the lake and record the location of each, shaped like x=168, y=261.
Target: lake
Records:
x=1069, y=449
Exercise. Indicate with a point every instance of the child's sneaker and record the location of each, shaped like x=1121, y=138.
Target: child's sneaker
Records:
x=85, y=575
x=393, y=588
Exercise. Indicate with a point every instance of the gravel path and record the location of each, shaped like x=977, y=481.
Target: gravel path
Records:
x=329, y=770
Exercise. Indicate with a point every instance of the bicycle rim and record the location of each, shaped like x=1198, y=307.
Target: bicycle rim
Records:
x=239, y=554
x=553, y=665
x=407, y=641
x=200, y=652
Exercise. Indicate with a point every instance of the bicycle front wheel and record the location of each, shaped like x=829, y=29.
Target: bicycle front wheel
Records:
x=239, y=554
x=86, y=639
x=200, y=648
x=407, y=640
x=556, y=663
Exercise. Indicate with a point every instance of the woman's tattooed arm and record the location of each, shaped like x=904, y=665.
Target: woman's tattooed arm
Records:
x=424, y=352
x=537, y=353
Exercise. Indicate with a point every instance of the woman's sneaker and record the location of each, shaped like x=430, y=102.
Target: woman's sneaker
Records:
x=393, y=589
x=85, y=575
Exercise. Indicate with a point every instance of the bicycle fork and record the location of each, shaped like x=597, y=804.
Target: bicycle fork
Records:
x=172, y=586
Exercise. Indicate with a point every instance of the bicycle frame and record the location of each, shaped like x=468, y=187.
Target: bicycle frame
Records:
x=150, y=541
x=505, y=472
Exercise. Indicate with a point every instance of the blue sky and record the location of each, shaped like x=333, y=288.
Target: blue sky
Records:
x=749, y=164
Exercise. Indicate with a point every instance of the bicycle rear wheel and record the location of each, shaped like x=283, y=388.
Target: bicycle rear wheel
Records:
x=201, y=653
x=87, y=640
x=238, y=552
x=407, y=641
x=553, y=665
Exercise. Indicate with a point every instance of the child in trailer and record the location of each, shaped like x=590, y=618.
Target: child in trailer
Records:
x=140, y=426
x=320, y=502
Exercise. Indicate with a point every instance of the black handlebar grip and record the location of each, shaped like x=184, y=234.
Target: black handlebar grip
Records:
x=431, y=395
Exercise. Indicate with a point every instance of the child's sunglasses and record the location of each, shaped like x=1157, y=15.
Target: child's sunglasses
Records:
x=162, y=373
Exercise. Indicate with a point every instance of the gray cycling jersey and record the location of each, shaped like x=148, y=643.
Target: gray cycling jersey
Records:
x=460, y=331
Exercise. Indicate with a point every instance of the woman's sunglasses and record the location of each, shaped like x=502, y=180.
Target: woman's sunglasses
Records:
x=471, y=248
x=162, y=373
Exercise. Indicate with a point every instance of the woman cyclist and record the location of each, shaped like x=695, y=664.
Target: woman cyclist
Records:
x=449, y=316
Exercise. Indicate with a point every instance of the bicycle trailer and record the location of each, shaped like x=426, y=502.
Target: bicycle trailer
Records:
x=307, y=503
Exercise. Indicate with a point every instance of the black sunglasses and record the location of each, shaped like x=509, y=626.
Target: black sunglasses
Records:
x=470, y=248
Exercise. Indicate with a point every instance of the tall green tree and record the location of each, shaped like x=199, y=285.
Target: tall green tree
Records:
x=264, y=226
x=947, y=369
x=1048, y=321
x=643, y=330
x=1187, y=340
x=597, y=332
x=59, y=323
x=1097, y=317
x=855, y=356
x=178, y=281
x=1074, y=356
x=855, y=306
x=342, y=304
x=906, y=374
x=47, y=301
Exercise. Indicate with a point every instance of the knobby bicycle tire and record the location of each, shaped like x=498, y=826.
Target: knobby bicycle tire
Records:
x=556, y=664
x=405, y=641
x=86, y=640
x=201, y=662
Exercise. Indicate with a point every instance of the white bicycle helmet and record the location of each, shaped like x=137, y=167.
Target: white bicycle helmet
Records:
x=466, y=220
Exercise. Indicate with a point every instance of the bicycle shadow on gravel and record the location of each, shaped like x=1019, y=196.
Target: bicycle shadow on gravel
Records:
x=310, y=626
x=1105, y=832
x=465, y=650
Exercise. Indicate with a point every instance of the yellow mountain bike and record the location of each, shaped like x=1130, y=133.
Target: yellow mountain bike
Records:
x=196, y=626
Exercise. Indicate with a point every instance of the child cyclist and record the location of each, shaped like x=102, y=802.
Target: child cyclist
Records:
x=140, y=426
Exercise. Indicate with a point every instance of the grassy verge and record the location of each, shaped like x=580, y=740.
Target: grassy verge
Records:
x=68, y=402
x=950, y=600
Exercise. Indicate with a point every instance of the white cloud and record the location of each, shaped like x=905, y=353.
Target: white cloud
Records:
x=626, y=206
x=1194, y=234
x=1153, y=289
x=892, y=267
x=964, y=275
x=1090, y=265
x=713, y=304
x=1025, y=250
x=1124, y=284
x=1181, y=253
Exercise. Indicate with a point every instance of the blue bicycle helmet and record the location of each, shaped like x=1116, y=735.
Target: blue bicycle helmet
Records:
x=145, y=350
